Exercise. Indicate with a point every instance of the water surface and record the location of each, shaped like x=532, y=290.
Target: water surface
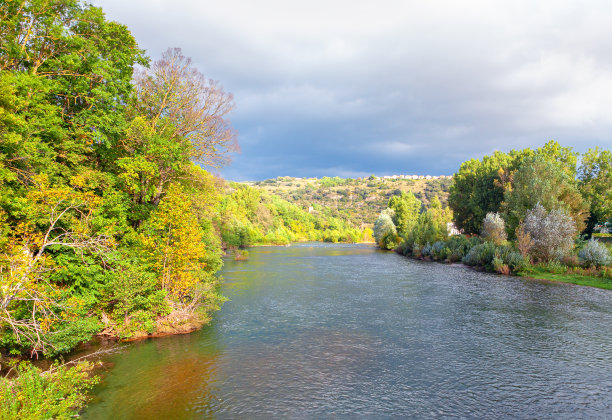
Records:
x=319, y=330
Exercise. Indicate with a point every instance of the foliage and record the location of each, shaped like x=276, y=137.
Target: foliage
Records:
x=173, y=244
x=106, y=221
x=31, y=394
x=356, y=201
x=595, y=254
x=481, y=255
x=595, y=180
x=481, y=186
x=524, y=242
x=494, y=229
x=406, y=208
x=385, y=233
x=552, y=232
x=249, y=216
x=541, y=181
x=132, y=298
x=440, y=215
x=178, y=103
x=327, y=182
x=36, y=313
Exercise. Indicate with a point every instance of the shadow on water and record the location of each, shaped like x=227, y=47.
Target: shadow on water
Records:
x=319, y=330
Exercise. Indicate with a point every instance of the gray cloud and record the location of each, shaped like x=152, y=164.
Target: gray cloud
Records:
x=356, y=87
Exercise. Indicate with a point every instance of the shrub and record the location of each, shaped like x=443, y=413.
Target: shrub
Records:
x=552, y=232
x=570, y=260
x=385, y=233
x=516, y=262
x=481, y=255
x=459, y=246
x=595, y=254
x=438, y=250
x=32, y=394
x=426, y=250
x=500, y=267
x=494, y=229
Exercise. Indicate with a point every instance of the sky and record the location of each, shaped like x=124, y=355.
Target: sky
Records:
x=354, y=88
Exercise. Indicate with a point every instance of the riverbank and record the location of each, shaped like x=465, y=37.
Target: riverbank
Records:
x=537, y=273
x=555, y=273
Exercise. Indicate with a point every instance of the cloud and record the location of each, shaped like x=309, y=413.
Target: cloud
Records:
x=392, y=86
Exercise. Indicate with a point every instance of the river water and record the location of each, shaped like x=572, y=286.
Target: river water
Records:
x=321, y=330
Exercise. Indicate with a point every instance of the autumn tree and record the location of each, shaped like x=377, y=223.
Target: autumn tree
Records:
x=178, y=116
x=35, y=312
x=174, y=244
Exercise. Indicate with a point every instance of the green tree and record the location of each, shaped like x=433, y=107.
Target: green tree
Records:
x=385, y=233
x=478, y=188
x=539, y=180
x=406, y=208
x=595, y=181
x=441, y=216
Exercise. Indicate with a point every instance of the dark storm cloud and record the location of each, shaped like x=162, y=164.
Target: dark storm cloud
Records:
x=348, y=88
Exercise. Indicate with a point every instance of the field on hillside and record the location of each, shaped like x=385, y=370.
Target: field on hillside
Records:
x=358, y=200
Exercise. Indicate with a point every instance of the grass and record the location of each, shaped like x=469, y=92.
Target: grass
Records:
x=539, y=272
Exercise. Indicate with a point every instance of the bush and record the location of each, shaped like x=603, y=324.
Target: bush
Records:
x=500, y=267
x=481, y=255
x=594, y=254
x=516, y=262
x=494, y=229
x=57, y=394
x=459, y=246
x=570, y=261
x=552, y=232
x=439, y=250
x=426, y=250
x=385, y=233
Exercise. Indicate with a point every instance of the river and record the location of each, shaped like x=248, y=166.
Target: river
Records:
x=322, y=330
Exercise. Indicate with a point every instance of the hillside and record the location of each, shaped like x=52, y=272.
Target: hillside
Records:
x=356, y=200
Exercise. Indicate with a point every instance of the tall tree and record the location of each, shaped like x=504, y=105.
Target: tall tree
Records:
x=541, y=181
x=406, y=209
x=177, y=116
x=477, y=189
x=595, y=180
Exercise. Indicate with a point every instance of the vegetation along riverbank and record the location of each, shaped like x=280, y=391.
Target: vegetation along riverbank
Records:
x=110, y=226
x=527, y=212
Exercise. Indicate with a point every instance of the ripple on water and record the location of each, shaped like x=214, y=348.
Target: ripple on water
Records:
x=321, y=330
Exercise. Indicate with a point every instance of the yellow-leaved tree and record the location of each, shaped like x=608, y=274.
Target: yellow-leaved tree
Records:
x=33, y=308
x=175, y=244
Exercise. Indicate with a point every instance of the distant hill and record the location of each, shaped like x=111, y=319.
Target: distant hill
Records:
x=357, y=200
